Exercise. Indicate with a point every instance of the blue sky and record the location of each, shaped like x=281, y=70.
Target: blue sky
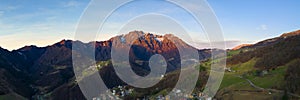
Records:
x=44, y=22
x=253, y=20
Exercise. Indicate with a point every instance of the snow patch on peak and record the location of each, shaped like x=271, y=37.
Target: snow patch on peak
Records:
x=160, y=39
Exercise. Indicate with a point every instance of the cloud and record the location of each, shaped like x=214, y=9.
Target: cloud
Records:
x=262, y=27
x=7, y=8
x=12, y=7
x=72, y=4
x=229, y=44
x=1, y=13
x=40, y=34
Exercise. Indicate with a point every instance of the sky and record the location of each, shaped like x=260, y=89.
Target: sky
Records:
x=44, y=22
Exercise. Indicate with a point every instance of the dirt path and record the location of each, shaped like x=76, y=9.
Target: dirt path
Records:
x=271, y=90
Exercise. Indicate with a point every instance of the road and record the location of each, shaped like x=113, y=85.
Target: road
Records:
x=271, y=90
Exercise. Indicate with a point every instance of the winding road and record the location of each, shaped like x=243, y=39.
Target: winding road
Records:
x=271, y=90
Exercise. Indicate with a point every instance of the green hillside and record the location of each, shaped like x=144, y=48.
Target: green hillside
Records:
x=266, y=72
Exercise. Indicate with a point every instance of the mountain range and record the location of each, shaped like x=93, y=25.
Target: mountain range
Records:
x=33, y=72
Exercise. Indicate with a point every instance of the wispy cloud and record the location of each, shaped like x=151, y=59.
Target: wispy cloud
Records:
x=1, y=13
x=262, y=27
x=40, y=34
x=10, y=8
x=228, y=43
x=7, y=8
x=71, y=4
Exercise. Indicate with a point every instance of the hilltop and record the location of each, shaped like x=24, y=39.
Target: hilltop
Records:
x=268, y=69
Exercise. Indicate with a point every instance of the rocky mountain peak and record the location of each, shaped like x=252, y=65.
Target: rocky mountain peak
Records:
x=66, y=43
